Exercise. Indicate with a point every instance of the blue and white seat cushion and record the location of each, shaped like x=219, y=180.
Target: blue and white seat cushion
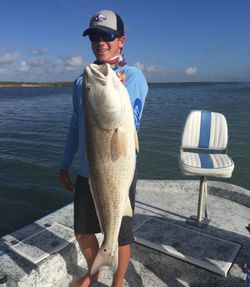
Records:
x=204, y=164
x=204, y=142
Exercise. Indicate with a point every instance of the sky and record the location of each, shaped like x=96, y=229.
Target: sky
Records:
x=169, y=40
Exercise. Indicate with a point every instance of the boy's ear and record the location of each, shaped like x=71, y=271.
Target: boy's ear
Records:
x=122, y=41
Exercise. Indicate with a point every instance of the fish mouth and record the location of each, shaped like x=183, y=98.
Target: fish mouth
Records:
x=99, y=72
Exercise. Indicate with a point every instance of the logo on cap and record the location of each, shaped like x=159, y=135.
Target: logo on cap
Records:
x=100, y=18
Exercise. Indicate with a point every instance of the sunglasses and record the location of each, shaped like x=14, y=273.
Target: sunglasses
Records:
x=96, y=36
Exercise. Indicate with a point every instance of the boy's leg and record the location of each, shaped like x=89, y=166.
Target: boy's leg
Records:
x=124, y=253
x=89, y=247
x=85, y=225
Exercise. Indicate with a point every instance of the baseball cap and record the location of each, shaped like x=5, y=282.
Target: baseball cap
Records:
x=107, y=21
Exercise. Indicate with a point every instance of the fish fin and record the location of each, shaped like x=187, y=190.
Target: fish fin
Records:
x=104, y=258
x=128, y=209
x=136, y=141
x=120, y=138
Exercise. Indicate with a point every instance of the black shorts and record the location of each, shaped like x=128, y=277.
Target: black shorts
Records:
x=85, y=218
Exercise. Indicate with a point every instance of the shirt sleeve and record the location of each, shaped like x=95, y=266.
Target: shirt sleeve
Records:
x=137, y=87
x=72, y=140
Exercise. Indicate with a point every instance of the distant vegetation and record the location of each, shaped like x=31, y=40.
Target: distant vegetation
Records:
x=70, y=84
x=48, y=84
x=36, y=84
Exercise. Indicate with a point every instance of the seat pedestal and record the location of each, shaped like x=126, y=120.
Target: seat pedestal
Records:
x=199, y=220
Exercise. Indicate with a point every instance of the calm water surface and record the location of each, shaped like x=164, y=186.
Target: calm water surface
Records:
x=34, y=123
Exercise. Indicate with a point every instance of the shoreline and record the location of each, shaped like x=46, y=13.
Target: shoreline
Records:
x=35, y=84
x=6, y=84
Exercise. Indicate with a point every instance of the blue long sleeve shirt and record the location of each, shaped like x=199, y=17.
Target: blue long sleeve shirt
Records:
x=137, y=87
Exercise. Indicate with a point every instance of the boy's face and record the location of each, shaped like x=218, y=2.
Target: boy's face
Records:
x=104, y=50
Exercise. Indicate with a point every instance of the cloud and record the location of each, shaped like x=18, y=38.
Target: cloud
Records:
x=214, y=49
x=146, y=69
x=43, y=65
x=38, y=62
x=152, y=69
x=191, y=71
x=74, y=62
x=25, y=67
x=63, y=68
x=157, y=74
x=8, y=59
x=37, y=66
x=40, y=51
x=139, y=65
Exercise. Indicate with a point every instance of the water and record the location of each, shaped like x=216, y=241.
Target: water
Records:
x=34, y=123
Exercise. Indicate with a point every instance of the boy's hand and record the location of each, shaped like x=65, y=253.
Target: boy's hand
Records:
x=122, y=77
x=65, y=180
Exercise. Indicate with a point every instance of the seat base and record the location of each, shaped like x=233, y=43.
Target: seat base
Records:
x=193, y=220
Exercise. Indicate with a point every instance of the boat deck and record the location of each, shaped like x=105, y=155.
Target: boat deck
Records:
x=167, y=251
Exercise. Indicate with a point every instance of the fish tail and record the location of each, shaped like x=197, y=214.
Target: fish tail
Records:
x=105, y=258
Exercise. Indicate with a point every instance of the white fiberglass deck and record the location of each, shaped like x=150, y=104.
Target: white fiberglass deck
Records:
x=169, y=201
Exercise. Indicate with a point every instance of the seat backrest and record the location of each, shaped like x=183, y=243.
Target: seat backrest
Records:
x=206, y=130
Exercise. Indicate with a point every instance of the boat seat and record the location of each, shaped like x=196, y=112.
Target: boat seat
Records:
x=203, y=152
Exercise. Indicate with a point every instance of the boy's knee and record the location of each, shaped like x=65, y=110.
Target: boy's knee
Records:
x=85, y=238
x=79, y=237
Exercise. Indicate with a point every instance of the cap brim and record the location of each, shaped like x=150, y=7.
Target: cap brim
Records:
x=99, y=28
